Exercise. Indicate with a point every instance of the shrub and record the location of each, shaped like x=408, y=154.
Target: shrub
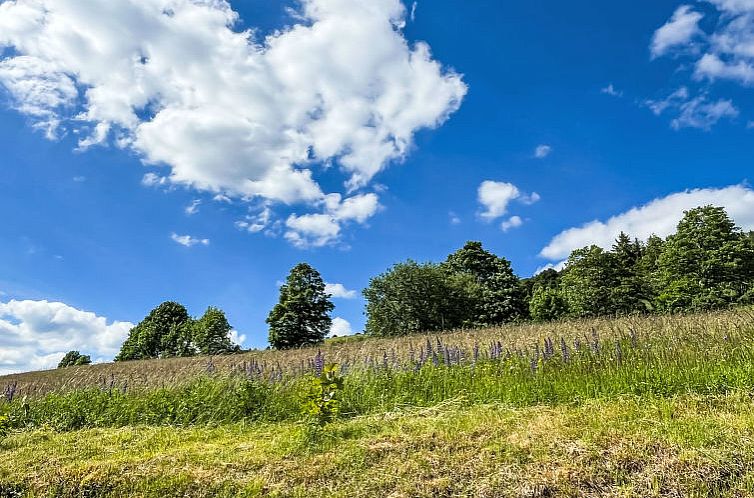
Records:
x=322, y=403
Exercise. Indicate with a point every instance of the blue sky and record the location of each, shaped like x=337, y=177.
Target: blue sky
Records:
x=153, y=165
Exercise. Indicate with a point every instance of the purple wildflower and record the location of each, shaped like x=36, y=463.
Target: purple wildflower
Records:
x=319, y=363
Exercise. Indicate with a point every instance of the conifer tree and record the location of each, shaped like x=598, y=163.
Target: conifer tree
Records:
x=629, y=294
x=302, y=315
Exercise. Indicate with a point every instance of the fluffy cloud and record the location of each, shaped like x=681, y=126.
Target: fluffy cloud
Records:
x=496, y=196
x=340, y=291
x=35, y=335
x=510, y=223
x=658, y=217
x=679, y=31
x=320, y=229
x=340, y=327
x=542, y=151
x=188, y=240
x=237, y=338
x=220, y=110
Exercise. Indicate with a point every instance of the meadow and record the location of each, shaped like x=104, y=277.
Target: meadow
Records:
x=636, y=406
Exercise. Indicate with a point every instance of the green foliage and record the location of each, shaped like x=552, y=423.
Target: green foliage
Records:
x=302, y=315
x=587, y=282
x=211, y=334
x=168, y=331
x=708, y=263
x=547, y=304
x=165, y=332
x=321, y=402
x=413, y=297
x=5, y=424
x=631, y=292
x=74, y=359
x=500, y=297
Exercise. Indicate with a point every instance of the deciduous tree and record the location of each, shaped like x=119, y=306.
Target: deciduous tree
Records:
x=74, y=359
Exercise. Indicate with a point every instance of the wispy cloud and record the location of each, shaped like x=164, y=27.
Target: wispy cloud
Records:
x=679, y=31
x=612, y=91
x=193, y=208
x=542, y=151
x=188, y=240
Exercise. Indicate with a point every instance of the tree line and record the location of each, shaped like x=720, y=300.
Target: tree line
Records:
x=708, y=263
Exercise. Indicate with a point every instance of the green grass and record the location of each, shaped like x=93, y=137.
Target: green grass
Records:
x=657, y=406
x=629, y=446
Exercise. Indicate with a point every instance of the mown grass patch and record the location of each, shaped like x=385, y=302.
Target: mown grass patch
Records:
x=629, y=446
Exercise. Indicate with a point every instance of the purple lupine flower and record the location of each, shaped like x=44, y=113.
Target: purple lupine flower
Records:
x=319, y=363
x=564, y=350
x=476, y=352
x=447, y=357
x=384, y=360
x=577, y=345
x=595, y=341
x=10, y=391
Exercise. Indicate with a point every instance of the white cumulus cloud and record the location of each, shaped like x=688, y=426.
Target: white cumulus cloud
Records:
x=496, y=196
x=320, y=229
x=35, y=335
x=340, y=327
x=511, y=223
x=659, y=217
x=221, y=110
x=340, y=291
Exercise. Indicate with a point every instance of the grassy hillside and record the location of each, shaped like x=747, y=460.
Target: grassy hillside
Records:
x=365, y=352
x=657, y=406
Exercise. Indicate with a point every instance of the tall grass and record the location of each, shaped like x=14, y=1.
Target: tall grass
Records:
x=151, y=374
x=703, y=354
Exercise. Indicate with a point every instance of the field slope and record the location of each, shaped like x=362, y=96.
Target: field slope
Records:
x=659, y=406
